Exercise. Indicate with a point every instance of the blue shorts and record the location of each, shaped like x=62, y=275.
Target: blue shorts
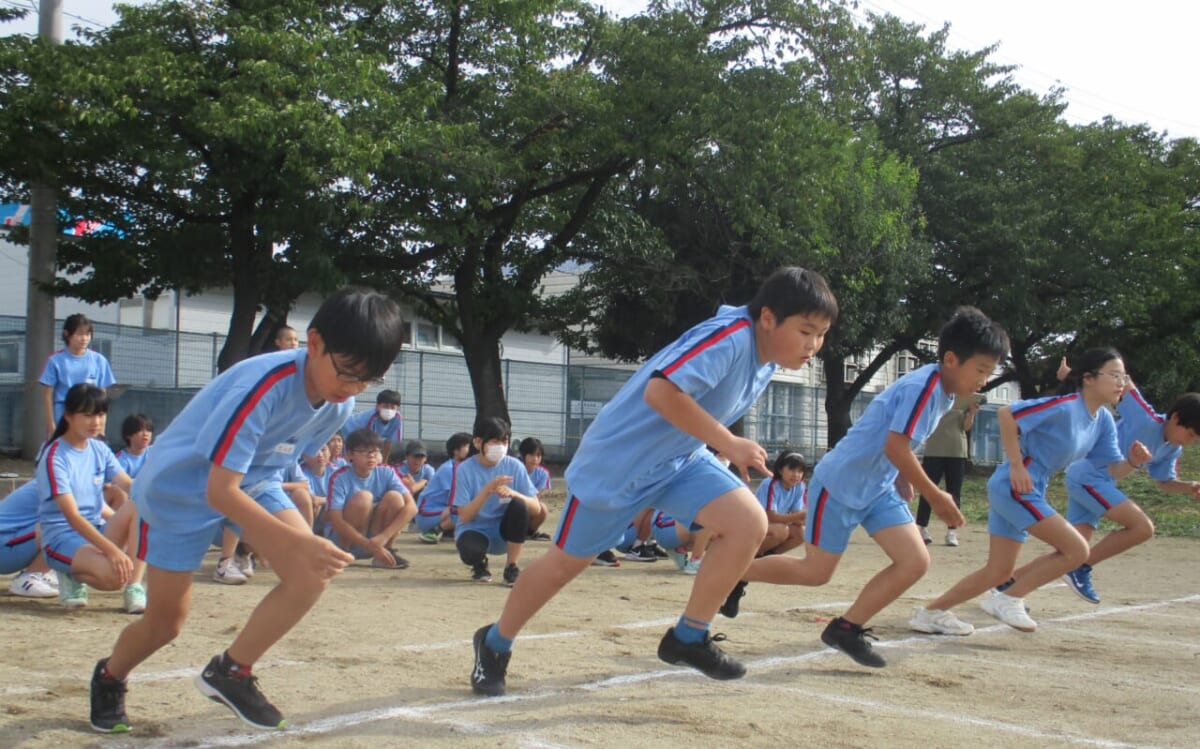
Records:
x=184, y=552
x=61, y=548
x=1010, y=514
x=18, y=549
x=426, y=523
x=666, y=532
x=585, y=532
x=830, y=522
x=1087, y=503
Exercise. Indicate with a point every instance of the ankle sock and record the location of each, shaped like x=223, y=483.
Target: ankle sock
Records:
x=497, y=642
x=691, y=631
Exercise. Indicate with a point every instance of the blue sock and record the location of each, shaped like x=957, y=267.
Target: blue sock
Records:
x=497, y=642
x=691, y=631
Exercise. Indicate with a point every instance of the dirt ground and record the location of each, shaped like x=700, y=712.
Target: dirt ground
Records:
x=384, y=659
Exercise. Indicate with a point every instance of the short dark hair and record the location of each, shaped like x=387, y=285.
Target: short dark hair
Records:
x=530, y=446
x=457, y=441
x=361, y=438
x=970, y=332
x=789, y=459
x=488, y=428
x=794, y=291
x=73, y=323
x=390, y=397
x=362, y=325
x=1187, y=407
x=135, y=423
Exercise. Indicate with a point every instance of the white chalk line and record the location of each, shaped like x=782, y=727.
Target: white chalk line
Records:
x=1117, y=637
x=918, y=713
x=1073, y=673
x=175, y=673
x=349, y=720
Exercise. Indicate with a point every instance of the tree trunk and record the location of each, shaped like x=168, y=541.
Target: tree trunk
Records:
x=837, y=400
x=263, y=339
x=246, y=281
x=482, y=352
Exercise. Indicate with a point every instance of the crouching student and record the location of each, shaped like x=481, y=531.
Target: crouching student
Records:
x=435, y=515
x=71, y=476
x=368, y=506
x=415, y=472
x=782, y=496
x=316, y=472
x=684, y=546
x=19, y=550
x=494, y=497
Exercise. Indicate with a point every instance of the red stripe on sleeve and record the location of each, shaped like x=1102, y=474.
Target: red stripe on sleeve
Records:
x=248, y=404
x=707, y=343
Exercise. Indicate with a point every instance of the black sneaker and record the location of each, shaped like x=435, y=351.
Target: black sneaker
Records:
x=851, y=639
x=641, y=553
x=487, y=677
x=705, y=656
x=240, y=694
x=480, y=573
x=511, y=572
x=401, y=562
x=108, y=702
x=448, y=535
x=537, y=536
x=659, y=551
x=733, y=601
x=606, y=559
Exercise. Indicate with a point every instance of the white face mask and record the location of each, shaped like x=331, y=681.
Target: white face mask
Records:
x=387, y=414
x=494, y=453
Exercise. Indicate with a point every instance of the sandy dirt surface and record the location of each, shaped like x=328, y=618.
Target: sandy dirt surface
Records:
x=384, y=659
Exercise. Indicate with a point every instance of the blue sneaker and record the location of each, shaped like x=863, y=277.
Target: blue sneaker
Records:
x=1080, y=581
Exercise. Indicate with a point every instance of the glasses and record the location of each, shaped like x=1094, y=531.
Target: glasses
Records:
x=350, y=377
x=367, y=451
x=1119, y=377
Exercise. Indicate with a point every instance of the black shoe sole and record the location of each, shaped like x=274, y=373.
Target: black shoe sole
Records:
x=857, y=659
x=215, y=695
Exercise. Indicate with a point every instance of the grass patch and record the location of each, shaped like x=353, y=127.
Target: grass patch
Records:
x=1175, y=515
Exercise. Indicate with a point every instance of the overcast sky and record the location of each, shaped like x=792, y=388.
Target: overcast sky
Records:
x=1126, y=59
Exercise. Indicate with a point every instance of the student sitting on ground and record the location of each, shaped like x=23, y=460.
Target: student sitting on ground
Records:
x=368, y=506
x=415, y=472
x=435, y=516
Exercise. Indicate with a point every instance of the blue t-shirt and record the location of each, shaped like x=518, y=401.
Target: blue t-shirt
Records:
x=1054, y=432
x=345, y=483
x=1139, y=422
x=470, y=479
x=317, y=485
x=716, y=363
x=132, y=464
x=540, y=478
x=436, y=495
x=424, y=474
x=19, y=509
x=856, y=471
x=64, y=369
x=82, y=473
x=254, y=419
x=775, y=498
x=392, y=431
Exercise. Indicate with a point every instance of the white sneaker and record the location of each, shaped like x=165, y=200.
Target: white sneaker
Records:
x=951, y=537
x=692, y=567
x=32, y=585
x=925, y=536
x=227, y=573
x=135, y=598
x=1009, y=610
x=934, y=622
x=245, y=564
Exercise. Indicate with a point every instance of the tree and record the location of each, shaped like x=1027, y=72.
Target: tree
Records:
x=209, y=140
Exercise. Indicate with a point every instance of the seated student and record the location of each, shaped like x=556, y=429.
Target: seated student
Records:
x=315, y=469
x=286, y=338
x=530, y=450
x=415, y=472
x=19, y=550
x=685, y=546
x=639, y=544
x=71, y=477
x=782, y=496
x=384, y=420
x=485, y=487
x=337, y=457
x=296, y=485
x=137, y=430
x=368, y=506
x=435, y=516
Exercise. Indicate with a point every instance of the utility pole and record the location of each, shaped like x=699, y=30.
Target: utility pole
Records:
x=43, y=249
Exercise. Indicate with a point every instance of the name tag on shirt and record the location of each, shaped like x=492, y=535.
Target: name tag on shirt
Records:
x=286, y=448
x=97, y=480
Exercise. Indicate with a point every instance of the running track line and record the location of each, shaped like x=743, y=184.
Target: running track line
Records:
x=422, y=712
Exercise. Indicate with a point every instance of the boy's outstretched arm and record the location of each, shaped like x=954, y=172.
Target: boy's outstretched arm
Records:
x=685, y=414
x=898, y=449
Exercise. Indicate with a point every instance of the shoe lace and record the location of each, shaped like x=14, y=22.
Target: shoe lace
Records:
x=866, y=632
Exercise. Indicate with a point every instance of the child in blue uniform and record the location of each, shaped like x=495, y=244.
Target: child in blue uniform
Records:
x=656, y=429
x=684, y=546
x=531, y=453
x=1092, y=493
x=1041, y=436
x=19, y=550
x=337, y=454
x=71, y=475
x=315, y=469
x=782, y=496
x=137, y=431
x=368, y=505
x=415, y=471
x=493, y=498
x=435, y=515
x=384, y=420
x=221, y=459
x=74, y=365
x=855, y=483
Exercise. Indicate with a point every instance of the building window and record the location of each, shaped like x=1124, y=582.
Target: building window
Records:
x=906, y=362
x=426, y=335
x=10, y=357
